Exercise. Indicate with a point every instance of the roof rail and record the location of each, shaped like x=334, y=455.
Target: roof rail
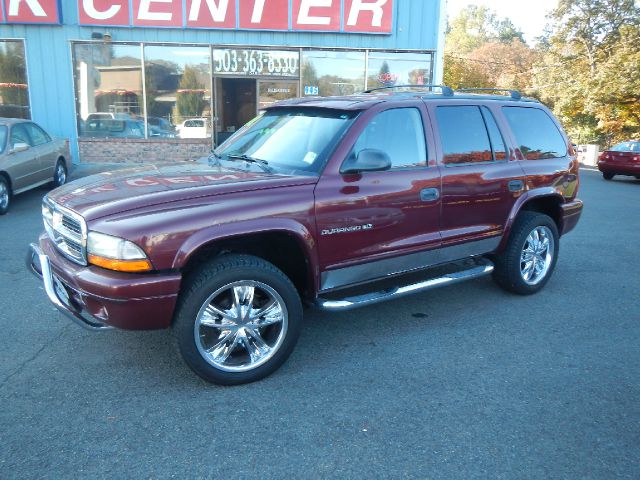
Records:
x=447, y=91
x=516, y=95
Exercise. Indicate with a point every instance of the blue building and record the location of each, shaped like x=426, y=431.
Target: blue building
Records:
x=137, y=80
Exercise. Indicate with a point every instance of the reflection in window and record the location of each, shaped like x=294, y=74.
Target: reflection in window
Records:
x=497, y=142
x=14, y=90
x=397, y=132
x=388, y=69
x=537, y=136
x=108, y=87
x=463, y=135
x=178, y=88
x=328, y=73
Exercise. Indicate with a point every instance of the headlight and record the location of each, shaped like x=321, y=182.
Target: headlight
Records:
x=116, y=253
x=47, y=213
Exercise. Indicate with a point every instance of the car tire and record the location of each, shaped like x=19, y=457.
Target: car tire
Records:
x=607, y=176
x=59, y=174
x=528, y=261
x=5, y=195
x=238, y=319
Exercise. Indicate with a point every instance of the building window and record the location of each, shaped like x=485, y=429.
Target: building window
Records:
x=108, y=82
x=14, y=87
x=178, y=91
x=327, y=73
x=387, y=69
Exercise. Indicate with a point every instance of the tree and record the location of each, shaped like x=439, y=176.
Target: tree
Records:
x=190, y=100
x=590, y=70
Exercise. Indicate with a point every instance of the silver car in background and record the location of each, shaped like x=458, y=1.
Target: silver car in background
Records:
x=29, y=157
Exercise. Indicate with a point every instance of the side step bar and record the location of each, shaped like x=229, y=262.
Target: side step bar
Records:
x=357, y=301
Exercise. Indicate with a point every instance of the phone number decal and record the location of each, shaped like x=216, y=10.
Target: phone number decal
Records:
x=273, y=63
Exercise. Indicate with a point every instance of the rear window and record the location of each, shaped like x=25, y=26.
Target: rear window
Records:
x=536, y=134
x=627, y=147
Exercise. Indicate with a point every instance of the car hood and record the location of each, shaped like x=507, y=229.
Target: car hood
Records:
x=119, y=191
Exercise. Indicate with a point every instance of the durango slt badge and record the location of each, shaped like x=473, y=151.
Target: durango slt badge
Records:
x=354, y=228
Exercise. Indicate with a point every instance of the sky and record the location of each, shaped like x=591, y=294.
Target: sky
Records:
x=526, y=15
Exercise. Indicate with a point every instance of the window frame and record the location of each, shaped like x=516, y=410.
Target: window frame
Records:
x=23, y=41
x=423, y=117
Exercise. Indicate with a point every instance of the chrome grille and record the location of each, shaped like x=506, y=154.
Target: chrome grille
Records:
x=67, y=230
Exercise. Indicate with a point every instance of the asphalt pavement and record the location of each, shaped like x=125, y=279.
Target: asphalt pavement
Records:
x=458, y=383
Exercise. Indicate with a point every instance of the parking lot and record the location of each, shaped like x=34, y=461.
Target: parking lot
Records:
x=462, y=382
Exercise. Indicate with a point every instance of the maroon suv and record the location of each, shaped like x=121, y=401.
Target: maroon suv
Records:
x=335, y=202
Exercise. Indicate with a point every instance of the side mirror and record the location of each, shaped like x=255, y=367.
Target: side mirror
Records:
x=20, y=147
x=368, y=160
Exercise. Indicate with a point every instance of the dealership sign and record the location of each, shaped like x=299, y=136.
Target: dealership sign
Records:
x=358, y=16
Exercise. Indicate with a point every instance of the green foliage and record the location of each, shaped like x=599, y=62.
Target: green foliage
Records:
x=586, y=67
x=590, y=71
x=190, y=101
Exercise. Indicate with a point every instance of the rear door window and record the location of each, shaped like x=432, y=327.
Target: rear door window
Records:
x=37, y=134
x=463, y=135
x=536, y=134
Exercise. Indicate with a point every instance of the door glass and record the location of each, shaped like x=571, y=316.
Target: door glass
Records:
x=398, y=133
x=38, y=136
x=19, y=135
x=463, y=135
x=497, y=142
x=272, y=92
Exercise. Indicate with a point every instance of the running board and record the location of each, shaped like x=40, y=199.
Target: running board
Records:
x=357, y=301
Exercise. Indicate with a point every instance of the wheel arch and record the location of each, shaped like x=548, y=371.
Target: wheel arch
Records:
x=547, y=201
x=291, y=248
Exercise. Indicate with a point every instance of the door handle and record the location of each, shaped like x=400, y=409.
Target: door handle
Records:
x=429, y=194
x=516, y=185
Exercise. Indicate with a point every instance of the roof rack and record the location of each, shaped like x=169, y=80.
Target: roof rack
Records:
x=447, y=91
x=516, y=95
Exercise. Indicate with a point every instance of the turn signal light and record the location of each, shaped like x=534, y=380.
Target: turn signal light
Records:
x=121, y=265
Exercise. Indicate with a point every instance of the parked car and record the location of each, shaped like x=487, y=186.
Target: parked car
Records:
x=29, y=157
x=116, y=128
x=335, y=202
x=161, y=127
x=193, y=128
x=622, y=159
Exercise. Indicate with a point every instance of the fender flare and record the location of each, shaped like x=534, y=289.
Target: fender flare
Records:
x=529, y=195
x=216, y=233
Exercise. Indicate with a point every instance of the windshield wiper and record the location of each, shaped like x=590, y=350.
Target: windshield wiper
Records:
x=258, y=161
x=214, y=158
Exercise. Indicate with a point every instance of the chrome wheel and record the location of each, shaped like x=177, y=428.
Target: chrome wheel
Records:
x=241, y=326
x=60, y=177
x=4, y=195
x=537, y=255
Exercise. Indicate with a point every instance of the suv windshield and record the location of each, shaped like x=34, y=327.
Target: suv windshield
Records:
x=289, y=139
x=627, y=147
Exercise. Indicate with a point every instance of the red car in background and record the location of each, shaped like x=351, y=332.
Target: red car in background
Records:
x=622, y=159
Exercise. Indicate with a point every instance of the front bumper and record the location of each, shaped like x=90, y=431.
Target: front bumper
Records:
x=99, y=299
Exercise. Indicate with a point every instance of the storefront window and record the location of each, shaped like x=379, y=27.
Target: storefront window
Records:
x=387, y=69
x=178, y=91
x=14, y=89
x=327, y=73
x=108, y=80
